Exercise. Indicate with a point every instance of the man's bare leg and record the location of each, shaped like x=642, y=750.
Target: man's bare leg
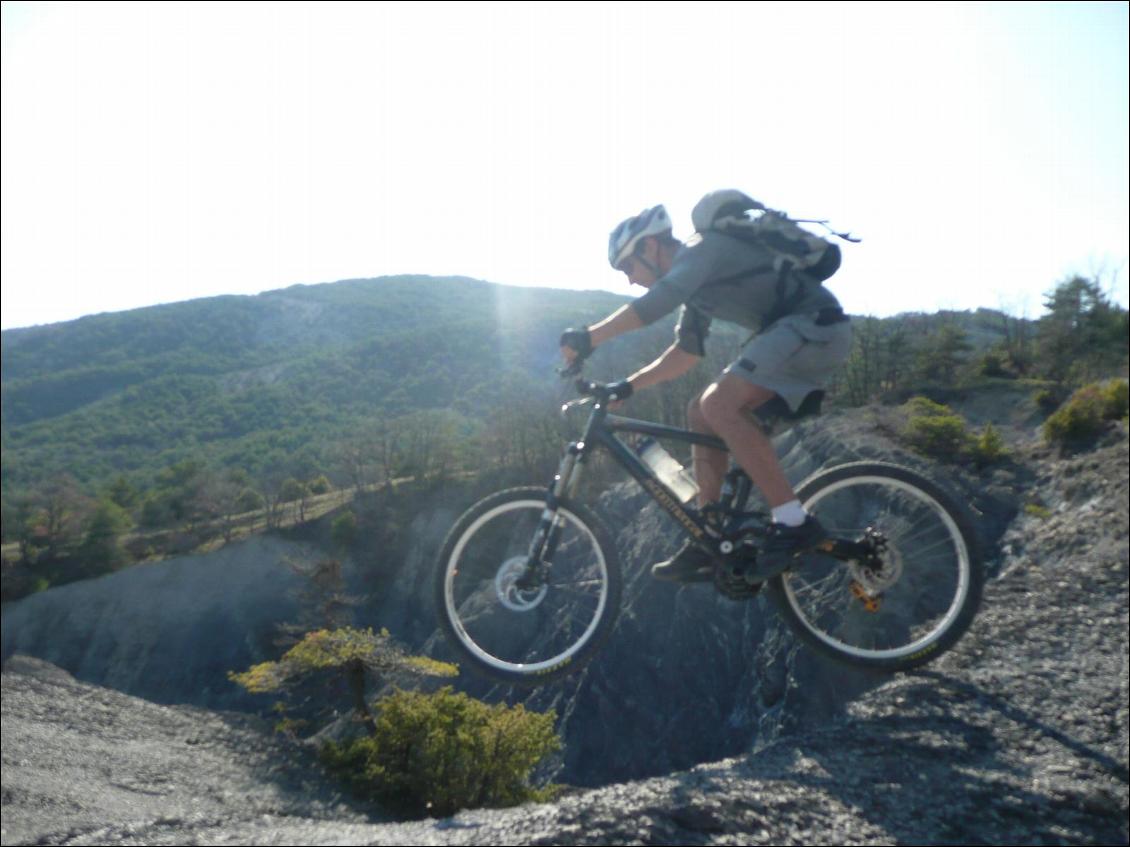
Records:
x=793, y=530
x=722, y=410
x=709, y=465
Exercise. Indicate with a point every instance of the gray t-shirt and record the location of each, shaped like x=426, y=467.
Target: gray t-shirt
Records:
x=718, y=276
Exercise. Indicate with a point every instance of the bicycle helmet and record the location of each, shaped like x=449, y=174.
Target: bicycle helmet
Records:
x=624, y=238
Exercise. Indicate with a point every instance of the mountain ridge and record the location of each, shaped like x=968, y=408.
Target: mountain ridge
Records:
x=128, y=393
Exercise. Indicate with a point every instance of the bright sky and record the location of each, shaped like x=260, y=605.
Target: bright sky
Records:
x=157, y=152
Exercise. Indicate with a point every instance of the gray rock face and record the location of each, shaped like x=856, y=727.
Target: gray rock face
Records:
x=79, y=759
x=1019, y=735
x=168, y=632
x=688, y=676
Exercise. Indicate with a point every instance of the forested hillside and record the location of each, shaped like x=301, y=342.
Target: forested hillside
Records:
x=249, y=381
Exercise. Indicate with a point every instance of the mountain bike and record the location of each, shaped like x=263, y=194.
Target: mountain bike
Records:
x=528, y=583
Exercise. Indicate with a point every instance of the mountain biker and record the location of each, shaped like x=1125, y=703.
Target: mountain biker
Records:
x=802, y=336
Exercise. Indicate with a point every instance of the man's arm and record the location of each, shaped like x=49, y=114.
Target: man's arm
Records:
x=622, y=320
x=625, y=319
x=671, y=364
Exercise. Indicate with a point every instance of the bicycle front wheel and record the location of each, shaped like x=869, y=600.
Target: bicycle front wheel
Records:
x=909, y=600
x=517, y=634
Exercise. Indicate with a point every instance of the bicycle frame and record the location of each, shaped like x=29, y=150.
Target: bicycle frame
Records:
x=600, y=432
x=605, y=435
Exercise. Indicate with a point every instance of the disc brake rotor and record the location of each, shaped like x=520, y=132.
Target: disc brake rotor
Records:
x=509, y=594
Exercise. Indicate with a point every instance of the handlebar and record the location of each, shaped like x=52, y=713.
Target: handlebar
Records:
x=602, y=392
x=591, y=393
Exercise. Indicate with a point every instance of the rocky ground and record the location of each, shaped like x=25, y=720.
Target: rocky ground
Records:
x=1018, y=736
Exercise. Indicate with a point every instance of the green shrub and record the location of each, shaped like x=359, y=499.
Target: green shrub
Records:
x=1048, y=400
x=988, y=447
x=943, y=437
x=1116, y=395
x=292, y=490
x=923, y=407
x=995, y=364
x=286, y=725
x=250, y=500
x=101, y=549
x=1084, y=417
x=935, y=430
x=434, y=754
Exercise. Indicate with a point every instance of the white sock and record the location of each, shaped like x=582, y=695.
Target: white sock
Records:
x=790, y=514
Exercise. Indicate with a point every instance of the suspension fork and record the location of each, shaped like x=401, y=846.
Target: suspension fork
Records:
x=539, y=559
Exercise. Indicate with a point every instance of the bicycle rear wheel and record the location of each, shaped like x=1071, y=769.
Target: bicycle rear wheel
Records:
x=910, y=600
x=526, y=636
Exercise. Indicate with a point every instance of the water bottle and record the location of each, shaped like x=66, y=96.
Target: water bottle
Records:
x=668, y=469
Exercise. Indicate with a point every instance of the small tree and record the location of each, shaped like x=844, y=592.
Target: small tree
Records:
x=219, y=499
x=347, y=653
x=51, y=520
x=293, y=491
x=994, y=363
x=180, y=492
x=1084, y=334
x=989, y=447
x=878, y=359
x=943, y=354
x=101, y=548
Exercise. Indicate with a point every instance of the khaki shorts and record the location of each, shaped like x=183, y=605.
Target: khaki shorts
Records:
x=794, y=356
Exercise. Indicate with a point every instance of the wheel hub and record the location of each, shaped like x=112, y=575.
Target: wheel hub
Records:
x=881, y=570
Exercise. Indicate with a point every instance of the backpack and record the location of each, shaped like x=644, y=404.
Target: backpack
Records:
x=792, y=246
